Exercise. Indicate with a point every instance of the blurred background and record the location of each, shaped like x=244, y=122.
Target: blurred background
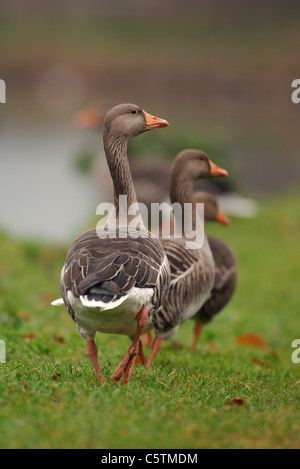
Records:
x=220, y=72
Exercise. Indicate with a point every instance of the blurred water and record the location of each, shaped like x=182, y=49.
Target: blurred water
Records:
x=42, y=194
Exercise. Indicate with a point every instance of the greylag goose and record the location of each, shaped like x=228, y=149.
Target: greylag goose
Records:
x=114, y=284
x=150, y=175
x=212, y=212
x=225, y=267
x=192, y=270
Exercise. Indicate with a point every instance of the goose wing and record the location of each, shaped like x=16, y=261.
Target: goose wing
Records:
x=192, y=273
x=180, y=258
x=225, y=262
x=107, y=269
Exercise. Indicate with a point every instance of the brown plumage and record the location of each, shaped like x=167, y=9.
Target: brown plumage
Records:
x=107, y=271
x=114, y=284
x=192, y=270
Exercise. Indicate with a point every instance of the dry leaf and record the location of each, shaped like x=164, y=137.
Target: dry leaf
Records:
x=236, y=401
x=61, y=340
x=253, y=339
x=31, y=335
x=56, y=376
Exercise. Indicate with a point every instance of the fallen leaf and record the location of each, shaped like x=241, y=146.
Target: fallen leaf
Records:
x=61, y=340
x=239, y=401
x=56, y=376
x=253, y=339
x=31, y=335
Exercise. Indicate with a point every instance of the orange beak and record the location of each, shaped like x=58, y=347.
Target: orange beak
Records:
x=153, y=122
x=221, y=218
x=88, y=119
x=216, y=171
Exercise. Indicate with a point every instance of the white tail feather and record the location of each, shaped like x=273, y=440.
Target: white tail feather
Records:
x=57, y=302
x=101, y=304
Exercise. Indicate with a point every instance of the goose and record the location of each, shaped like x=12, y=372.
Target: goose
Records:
x=114, y=283
x=150, y=175
x=223, y=287
x=192, y=270
x=225, y=280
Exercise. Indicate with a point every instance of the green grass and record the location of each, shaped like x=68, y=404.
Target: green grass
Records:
x=49, y=396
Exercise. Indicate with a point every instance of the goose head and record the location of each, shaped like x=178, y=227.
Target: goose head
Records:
x=194, y=164
x=211, y=208
x=130, y=120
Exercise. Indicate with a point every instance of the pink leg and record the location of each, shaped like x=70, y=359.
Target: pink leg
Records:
x=147, y=340
x=156, y=346
x=142, y=356
x=197, y=331
x=124, y=370
x=93, y=354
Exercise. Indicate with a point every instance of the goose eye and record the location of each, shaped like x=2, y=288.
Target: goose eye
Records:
x=133, y=111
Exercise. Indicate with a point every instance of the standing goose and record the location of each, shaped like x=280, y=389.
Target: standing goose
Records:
x=225, y=268
x=114, y=284
x=192, y=270
x=150, y=174
x=227, y=284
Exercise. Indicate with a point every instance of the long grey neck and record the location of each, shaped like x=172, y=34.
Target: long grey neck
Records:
x=181, y=191
x=116, y=155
